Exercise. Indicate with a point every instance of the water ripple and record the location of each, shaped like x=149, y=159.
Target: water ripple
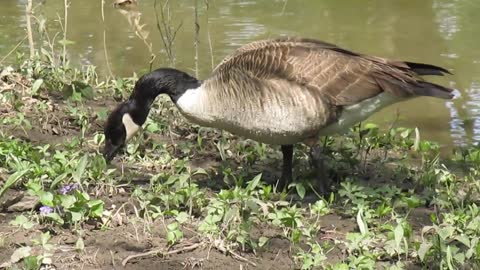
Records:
x=473, y=109
x=457, y=129
x=448, y=24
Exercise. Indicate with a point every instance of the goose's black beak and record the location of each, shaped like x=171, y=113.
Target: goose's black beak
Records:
x=110, y=150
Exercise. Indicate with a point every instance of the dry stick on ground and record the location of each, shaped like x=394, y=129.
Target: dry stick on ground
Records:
x=113, y=258
x=28, y=13
x=241, y=258
x=274, y=260
x=162, y=251
x=220, y=245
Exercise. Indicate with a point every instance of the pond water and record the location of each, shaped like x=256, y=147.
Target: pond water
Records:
x=122, y=41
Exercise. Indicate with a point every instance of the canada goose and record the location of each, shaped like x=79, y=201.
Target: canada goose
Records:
x=282, y=91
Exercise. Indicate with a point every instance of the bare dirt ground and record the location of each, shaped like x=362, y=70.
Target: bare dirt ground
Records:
x=107, y=248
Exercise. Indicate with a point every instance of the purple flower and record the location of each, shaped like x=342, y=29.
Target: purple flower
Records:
x=45, y=210
x=67, y=188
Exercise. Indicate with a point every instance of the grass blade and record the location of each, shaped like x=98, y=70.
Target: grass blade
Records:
x=11, y=181
x=82, y=165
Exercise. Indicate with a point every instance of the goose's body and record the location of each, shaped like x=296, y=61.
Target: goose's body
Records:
x=288, y=90
x=282, y=91
x=274, y=123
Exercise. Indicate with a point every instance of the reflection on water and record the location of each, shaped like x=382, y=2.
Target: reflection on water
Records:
x=440, y=32
x=473, y=109
x=458, y=133
x=240, y=32
x=447, y=19
x=465, y=130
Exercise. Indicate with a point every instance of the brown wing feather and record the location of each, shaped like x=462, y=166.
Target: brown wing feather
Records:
x=340, y=76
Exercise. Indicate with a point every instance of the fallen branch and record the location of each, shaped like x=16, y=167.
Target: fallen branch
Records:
x=160, y=250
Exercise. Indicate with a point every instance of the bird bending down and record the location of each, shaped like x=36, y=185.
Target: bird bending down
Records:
x=281, y=91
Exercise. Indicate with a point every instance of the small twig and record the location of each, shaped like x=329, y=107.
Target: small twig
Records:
x=20, y=83
x=110, y=219
x=197, y=32
x=315, y=191
x=103, y=11
x=192, y=231
x=136, y=232
x=94, y=258
x=392, y=124
x=334, y=231
x=28, y=12
x=274, y=260
x=65, y=2
x=105, y=41
x=211, y=50
x=328, y=238
x=161, y=250
x=167, y=32
x=113, y=258
x=241, y=258
x=164, y=223
x=220, y=245
x=209, y=37
x=190, y=199
x=50, y=41
x=14, y=49
x=284, y=6
x=134, y=19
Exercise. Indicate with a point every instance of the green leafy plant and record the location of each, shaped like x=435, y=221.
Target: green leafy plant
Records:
x=68, y=206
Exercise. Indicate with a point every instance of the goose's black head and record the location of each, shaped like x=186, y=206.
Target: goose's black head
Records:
x=127, y=118
x=120, y=126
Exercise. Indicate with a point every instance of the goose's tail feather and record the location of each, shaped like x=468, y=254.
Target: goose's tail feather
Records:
x=426, y=69
x=433, y=90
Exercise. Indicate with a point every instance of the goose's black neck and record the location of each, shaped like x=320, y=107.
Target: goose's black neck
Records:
x=161, y=81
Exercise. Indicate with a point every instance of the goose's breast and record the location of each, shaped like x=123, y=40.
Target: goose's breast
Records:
x=280, y=117
x=278, y=122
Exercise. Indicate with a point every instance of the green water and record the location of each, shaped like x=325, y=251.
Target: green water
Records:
x=439, y=32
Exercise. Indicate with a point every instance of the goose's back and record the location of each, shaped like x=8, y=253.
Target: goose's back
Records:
x=287, y=90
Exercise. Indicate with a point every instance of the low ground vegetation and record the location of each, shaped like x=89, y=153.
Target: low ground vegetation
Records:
x=184, y=196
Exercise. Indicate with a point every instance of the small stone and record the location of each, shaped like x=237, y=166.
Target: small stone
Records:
x=25, y=204
x=6, y=72
x=47, y=260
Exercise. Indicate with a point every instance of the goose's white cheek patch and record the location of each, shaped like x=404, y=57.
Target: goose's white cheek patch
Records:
x=130, y=126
